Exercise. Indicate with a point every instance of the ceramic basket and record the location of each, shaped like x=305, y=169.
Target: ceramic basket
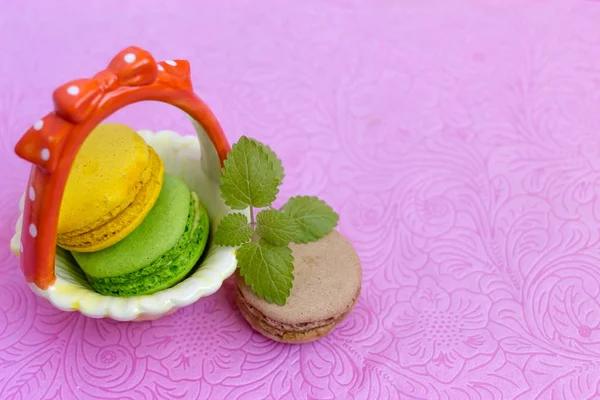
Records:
x=51, y=145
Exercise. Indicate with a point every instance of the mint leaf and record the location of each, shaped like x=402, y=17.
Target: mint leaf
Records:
x=314, y=217
x=278, y=168
x=234, y=230
x=250, y=177
x=277, y=228
x=267, y=269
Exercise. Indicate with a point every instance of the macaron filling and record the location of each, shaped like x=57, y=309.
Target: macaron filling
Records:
x=169, y=268
x=278, y=328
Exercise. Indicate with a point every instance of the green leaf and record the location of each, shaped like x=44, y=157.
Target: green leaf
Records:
x=277, y=228
x=250, y=175
x=267, y=269
x=278, y=167
x=233, y=230
x=314, y=217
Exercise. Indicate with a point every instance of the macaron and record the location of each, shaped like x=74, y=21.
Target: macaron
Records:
x=114, y=182
x=159, y=253
x=327, y=283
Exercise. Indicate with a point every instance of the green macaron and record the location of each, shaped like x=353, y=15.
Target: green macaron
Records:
x=159, y=253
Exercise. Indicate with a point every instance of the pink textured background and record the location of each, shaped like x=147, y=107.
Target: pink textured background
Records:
x=459, y=141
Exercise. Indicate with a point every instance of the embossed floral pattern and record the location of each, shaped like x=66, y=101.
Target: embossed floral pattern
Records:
x=201, y=343
x=440, y=330
x=458, y=140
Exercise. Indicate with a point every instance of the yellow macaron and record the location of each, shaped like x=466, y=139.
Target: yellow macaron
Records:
x=113, y=184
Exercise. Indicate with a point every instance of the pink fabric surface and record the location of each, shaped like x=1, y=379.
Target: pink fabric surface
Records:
x=458, y=140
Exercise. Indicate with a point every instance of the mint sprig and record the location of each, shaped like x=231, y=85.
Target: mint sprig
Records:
x=250, y=180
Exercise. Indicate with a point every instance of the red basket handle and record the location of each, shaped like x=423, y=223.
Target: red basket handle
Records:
x=52, y=143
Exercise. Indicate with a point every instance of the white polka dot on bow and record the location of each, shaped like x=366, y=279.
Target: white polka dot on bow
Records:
x=171, y=63
x=45, y=154
x=129, y=58
x=38, y=125
x=73, y=90
x=33, y=230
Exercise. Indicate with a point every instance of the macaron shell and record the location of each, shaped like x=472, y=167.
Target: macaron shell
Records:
x=187, y=258
x=172, y=267
x=123, y=220
x=157, y=234
x=112, y=159
x=327, y=282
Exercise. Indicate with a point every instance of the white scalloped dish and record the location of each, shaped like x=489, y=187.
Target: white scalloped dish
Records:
x=181, y=156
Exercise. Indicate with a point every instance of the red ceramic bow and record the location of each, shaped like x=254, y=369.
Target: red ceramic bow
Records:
x=76, y=100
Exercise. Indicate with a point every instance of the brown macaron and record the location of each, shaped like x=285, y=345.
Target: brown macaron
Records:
x=327, y=282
